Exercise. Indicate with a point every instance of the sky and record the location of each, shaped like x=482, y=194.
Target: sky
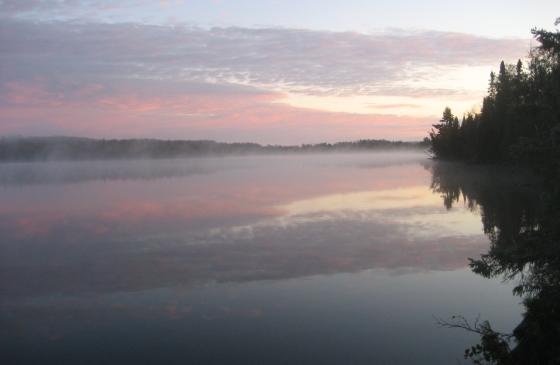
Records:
x=267, y=71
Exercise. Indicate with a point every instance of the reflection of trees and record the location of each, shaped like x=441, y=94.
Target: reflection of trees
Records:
x=522, y=220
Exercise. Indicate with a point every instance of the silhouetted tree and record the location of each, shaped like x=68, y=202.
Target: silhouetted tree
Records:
x=519, y=121
x=444, y=135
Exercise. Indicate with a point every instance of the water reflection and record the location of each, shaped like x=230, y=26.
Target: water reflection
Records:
x=237, y=224
x=318, y=249
x=520, y=216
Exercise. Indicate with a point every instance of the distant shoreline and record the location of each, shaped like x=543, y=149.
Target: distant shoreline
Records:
x=24, y=149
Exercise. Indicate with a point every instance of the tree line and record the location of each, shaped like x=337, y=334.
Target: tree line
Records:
x=72, y=148
x=519, y=121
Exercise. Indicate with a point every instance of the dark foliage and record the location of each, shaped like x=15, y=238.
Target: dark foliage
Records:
x=519, y=124
x=520, y=117
x=521, y=216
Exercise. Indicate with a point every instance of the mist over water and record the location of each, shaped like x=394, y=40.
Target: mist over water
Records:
x=65, y=171
x=283, y=259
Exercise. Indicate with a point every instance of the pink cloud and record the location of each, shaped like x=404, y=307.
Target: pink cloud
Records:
x=30, y=94
x=100, y=111
x=134, y=80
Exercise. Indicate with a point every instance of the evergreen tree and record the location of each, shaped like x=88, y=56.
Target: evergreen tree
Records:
x=519, y=121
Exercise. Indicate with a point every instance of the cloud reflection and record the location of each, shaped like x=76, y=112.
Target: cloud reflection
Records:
x=261, y=218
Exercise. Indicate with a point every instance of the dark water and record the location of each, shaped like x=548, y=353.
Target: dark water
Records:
x=335, y=259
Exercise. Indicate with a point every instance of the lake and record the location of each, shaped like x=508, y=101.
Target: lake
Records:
x=281, y=259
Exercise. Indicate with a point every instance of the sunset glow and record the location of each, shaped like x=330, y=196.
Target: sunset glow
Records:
x=191, y=70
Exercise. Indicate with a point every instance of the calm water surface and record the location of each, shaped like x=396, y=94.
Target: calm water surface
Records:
x=332, y=259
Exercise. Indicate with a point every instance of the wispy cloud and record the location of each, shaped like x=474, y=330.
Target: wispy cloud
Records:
x=293, y=60
x=228, y=115
x=188, y=80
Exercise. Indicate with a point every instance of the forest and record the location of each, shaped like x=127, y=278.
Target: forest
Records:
x=519, y=121
x=74, y=148
x=517, y=127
